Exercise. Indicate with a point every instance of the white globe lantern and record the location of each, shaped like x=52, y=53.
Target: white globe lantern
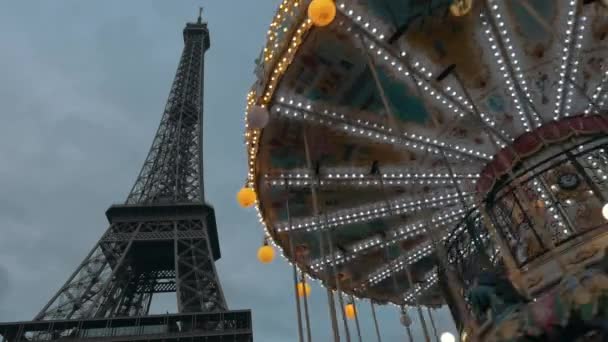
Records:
x=605, y=208
x=448, y=337
x=258, y=117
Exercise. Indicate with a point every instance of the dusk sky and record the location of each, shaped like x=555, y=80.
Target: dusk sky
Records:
x=82, y=88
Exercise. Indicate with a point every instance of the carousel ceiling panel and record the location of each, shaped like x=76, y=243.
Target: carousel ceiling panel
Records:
x=398, y=113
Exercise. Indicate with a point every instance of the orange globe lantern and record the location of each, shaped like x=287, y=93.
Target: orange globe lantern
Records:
x=350, y=311
x=322, y=12
x=303, y=289
x=266, y=254
x=246, y=197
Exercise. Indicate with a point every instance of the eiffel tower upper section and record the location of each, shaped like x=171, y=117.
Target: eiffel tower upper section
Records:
x=173, y=170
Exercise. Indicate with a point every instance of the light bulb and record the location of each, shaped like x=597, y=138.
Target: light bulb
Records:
x=448, y=337
x=605, y=211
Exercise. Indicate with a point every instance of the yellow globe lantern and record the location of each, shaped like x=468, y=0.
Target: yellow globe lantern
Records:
x=266, y=254
x=303, y=289
x=322, y=12
x=461, y=8
x=350, y=311
x=246, y=197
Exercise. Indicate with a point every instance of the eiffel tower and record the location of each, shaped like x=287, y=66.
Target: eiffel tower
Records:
x=163, y=239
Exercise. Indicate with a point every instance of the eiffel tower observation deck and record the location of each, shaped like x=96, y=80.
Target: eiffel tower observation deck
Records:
x=163, y=239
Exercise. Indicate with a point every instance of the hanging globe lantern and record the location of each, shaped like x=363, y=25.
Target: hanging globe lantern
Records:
x=322, y=12
x=405, y=319
x=350, y=311
x=461, y=8
x=447, y=337
x=303, y=289
x=246, y=197
x=258, y=117
x=605, y=208
x=266, y=254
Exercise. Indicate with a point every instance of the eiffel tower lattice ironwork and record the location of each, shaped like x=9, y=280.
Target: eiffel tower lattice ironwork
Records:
x=163, y=239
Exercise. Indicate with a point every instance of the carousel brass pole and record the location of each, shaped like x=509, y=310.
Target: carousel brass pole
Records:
x=330, y=297
x=371, y=302
x=295, y=271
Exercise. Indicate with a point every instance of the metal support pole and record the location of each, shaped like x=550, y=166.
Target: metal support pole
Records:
x=330, y=299
x=295, y=269
x=375, y=320
x=409, y=333
x=340, y=299
x=344, y=320
x=334, y=316
x=428, y=310
x=407, y=271
x=352, y=299
x=425, y=330
x=308, y=332
x=298, y=308
x=295, y=280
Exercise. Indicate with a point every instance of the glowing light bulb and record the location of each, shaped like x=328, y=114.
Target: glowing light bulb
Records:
x=605, y=208
x=448, y=337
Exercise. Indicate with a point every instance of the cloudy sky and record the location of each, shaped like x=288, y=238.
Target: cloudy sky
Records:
x=82, y=89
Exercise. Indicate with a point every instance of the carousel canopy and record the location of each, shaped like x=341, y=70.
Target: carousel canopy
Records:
x=382, y=123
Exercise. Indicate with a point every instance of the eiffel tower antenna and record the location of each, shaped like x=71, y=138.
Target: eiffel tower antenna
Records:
x=200, y=14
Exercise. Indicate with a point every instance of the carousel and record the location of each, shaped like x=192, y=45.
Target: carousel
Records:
x=431, y=153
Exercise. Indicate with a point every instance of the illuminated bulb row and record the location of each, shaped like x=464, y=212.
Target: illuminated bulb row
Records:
x=447, y=98
x=509, y=69
x=443, y=98
x=252, y=136
x=511, y=54
x=358, y=175
x=542, y=191
x=569, y=66
x=399, y=264
x=362, y=22
x=430, y=279
x=366, y=130
x=371, y=212
x=288, y=9
x=461, y=227
x=351, y=183
x=396, y=235
x=575, y=26
x=360, y=179
x=468, y=251
x=595, y=167
x=452, y=102
x=599, y=96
